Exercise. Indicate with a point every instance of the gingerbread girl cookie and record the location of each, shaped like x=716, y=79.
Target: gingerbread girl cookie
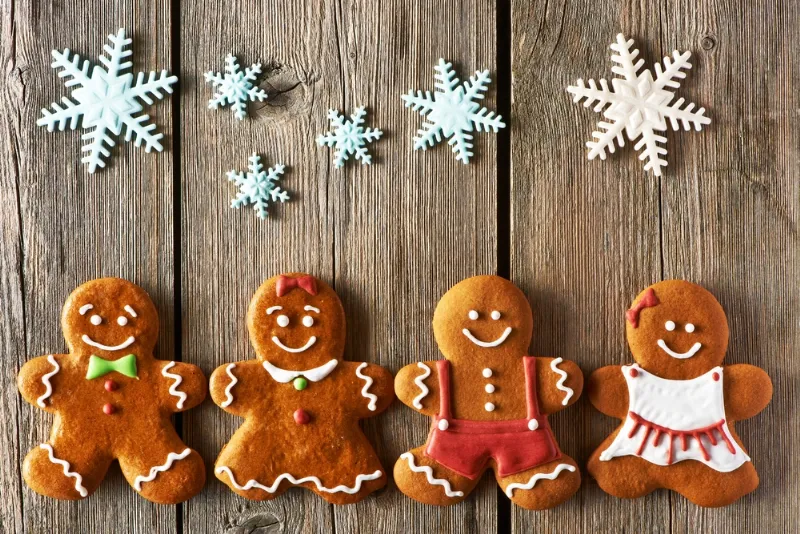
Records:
x=489, y=403
x=677, y=403
x=301, y=403
x=112, y=400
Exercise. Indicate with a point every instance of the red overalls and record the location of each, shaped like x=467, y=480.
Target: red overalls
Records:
x=517, y=445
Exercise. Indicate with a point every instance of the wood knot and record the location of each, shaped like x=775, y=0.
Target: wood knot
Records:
x=708, y=42
x=264, y=523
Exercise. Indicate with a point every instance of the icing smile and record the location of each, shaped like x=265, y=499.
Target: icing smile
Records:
x=487, y=344
x=680, y=355
x=125, y=344
x=311, y=341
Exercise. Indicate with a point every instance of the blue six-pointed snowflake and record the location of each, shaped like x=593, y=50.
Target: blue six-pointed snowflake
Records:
x=452, y=111
x=258, y=187
x=235, y=87
x=349, y=137
x=106, y=100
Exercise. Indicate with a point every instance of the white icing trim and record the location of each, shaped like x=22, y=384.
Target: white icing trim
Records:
x=46, y=381
x=311, y=341
x=315, y=375
x=560, y=384
x=173, y=390
x=130, y=310
x=272, y=309
x=448, y=490
x=680, y=355
x=71, y=474
x=171, y=457
x=487, y=344
x=365, y=390
x=422, y=387
x=312, y=308
x=537, y=477
x=86, y=307
x=125, y=344
x=228, y=396
x=250, y=484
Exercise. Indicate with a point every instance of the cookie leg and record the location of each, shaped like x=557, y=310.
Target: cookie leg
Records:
x=543, y=486
x=425, y=480
x=66, y=470
x=235, y=468
x=164, y=471
x=627, y=477
x=707, y=487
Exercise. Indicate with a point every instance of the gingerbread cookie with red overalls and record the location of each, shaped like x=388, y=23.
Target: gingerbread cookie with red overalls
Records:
x=301, y=402
x=677, y=403
x=489, y=402
x=112, y=400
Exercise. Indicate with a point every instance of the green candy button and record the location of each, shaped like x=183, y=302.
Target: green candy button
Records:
x=300, y=383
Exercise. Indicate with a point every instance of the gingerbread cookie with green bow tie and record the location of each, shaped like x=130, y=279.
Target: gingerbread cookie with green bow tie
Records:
x=301, y=402
x=112, y=400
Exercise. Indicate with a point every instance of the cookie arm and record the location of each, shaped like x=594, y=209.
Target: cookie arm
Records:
x=231, y=385
x=417, y=386
x=559, y=383
x=370, y=388
x=35, y=380
x=748, y=390
x=608, y=391
x=183, y=386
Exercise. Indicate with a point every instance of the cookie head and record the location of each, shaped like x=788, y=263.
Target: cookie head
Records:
x=296, y=322
x=110, y=317
x=483, y=316
x=677, y=330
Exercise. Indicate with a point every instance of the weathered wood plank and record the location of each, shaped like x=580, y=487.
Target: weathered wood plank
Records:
x=67, y=226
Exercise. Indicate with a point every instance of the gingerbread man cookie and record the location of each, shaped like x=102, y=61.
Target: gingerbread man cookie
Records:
x=112, y=400
x=301, y=403
x=489, y=403
x=677, y=403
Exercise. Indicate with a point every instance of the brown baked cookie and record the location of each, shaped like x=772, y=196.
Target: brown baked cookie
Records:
x=112, y=400
x=300, y=401
x=677, y=403
x=489, y=402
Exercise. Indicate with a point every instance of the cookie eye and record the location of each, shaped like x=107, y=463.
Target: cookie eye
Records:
x=670, y=326
x=689, y=327
x=96, y=319
x=473, y=315
x=283, y=321
x=308, y=321
x=495, y=315
x=122, y=321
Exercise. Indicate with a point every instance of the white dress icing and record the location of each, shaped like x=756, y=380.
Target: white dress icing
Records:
x=666, y=416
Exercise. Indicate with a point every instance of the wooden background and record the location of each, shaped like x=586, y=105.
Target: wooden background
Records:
x=581, y=238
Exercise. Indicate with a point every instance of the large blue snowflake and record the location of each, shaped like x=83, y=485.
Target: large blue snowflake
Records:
x=258, y=187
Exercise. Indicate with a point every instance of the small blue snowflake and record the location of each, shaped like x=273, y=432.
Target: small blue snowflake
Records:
x=453, y=111
x=258, y=187
x=349, y=137
x=235, y=87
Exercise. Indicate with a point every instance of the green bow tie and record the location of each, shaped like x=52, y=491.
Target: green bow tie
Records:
x=99, y=367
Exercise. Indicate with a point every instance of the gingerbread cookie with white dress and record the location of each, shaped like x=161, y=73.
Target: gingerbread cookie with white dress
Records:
x=112, y=400
x=489, y=403
x=301, y=402
x=677, y=403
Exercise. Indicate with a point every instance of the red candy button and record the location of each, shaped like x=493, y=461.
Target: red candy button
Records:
x=715, y=376
x=108, y=409
x=634, y=373
x=110, y=385
x=301, y=417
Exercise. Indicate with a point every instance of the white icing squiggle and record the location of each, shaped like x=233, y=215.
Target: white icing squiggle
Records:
x=46, y=381
x=171, y=457
x=286, y=476
x=228, y=396
x=72, y=474
x=537, y=477
x=423, y=388
x=130, y=310
x=173, y=390
x=448, y=490
x=560, y=384
x=373, y=399
x=83, y=309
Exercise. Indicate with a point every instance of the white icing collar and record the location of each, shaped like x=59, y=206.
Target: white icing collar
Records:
x=315, y=375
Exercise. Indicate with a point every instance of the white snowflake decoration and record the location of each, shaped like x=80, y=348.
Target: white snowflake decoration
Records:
x=453, y=111
x=258, y=187
x=106, y=101
x=235, y=87
x=639, y=104
x=349, y=137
